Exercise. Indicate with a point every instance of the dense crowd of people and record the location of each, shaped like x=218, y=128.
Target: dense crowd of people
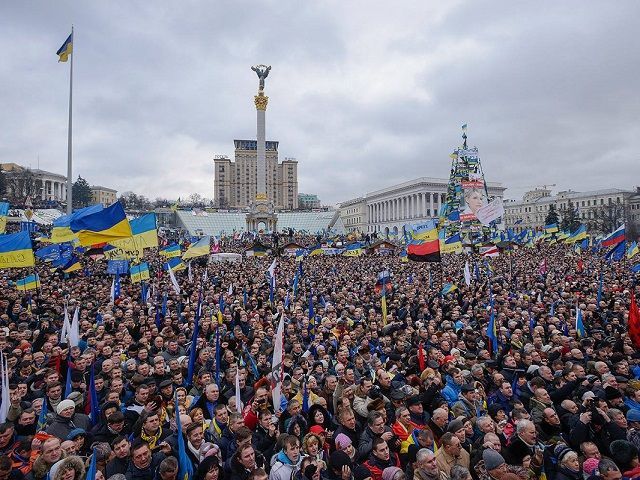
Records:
x=421, y=394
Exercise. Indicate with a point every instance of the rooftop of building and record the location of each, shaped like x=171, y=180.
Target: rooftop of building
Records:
x=14, y=167
x=105, y=189
x=569, y=195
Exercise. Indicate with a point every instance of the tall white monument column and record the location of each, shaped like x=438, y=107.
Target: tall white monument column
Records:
x=262, y=208
x=261, y=101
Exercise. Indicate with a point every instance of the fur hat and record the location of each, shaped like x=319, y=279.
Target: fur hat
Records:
x=58, y=468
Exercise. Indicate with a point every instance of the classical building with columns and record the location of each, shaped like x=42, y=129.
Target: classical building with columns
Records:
x=33, y=182
x=387, y=210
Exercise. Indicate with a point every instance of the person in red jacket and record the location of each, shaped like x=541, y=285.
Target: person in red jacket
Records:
x=380, y=458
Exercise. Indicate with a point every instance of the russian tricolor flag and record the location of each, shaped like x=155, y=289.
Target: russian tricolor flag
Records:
x=614, y=238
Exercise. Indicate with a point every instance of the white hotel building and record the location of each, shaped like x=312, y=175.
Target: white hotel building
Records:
x=387, y=210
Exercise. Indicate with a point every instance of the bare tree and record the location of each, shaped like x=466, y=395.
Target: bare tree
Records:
x=22, y=184
x=609, y=217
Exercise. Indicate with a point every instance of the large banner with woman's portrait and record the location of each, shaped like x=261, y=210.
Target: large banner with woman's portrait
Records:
x=473, y=198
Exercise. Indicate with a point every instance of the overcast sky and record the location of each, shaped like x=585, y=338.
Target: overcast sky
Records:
x=364, y=94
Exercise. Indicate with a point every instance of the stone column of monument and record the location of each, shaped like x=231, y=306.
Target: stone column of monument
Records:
x=261, y=101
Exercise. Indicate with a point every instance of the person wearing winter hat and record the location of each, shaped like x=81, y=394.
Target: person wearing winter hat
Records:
x=625, y=454
x=344, y=444
x=393, y=473
x=62, y=469
x=456, y=427
x=568, y=463
x=494, y=463
x=361, y=473
x=590, y=466
x=67, y=420
x=340, y=465
x=633, y=430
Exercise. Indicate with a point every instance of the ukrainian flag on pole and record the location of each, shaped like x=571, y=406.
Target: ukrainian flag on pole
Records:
x=66, y=49
x=139, y=272
x=28, y=283
x=15, y=250
x=101, y=227
x=198, y=249
x=170, y=251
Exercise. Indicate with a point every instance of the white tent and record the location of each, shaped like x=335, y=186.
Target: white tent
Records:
x=225, y=257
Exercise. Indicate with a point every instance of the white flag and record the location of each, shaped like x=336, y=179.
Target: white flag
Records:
x=74, y=331
x=230, y=292
x=174, y=282
x=238, y=400
x=190, y=274
x=113, y=289
x=467, y=273
x=272, y=269
x=6, y=400
x=66, y=326
x=276, y=365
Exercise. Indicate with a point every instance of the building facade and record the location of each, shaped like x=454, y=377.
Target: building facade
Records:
x=307, y=201
x=354, y=215
x=531, y=211
x=387, y=210
x=38, y=184
x=105, y=196
x=235, y=182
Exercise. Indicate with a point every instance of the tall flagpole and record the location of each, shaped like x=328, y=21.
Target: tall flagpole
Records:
x=69, y=169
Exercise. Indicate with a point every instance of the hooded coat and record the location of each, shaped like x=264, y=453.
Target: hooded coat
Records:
x=73, y=461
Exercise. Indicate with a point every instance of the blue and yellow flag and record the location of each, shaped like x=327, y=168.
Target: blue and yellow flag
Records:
x=4, y=212
x=145, y=235
x=383, y=303
x=316, y=250
x=139, y=272
x=427, y=231
x=62, y=233
x=579, y=235
x=102, y=227
x=175, y=263
x=200, y=248
x=580, y=324
x=354, y=250
x=170, y=251
x=551, y=228
x=66, y=49
x=15, y=250
x=72, y=265
x=145, y=230
x=448, y=288
x=453, y=244
x=28, y=283
x=633, y=250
